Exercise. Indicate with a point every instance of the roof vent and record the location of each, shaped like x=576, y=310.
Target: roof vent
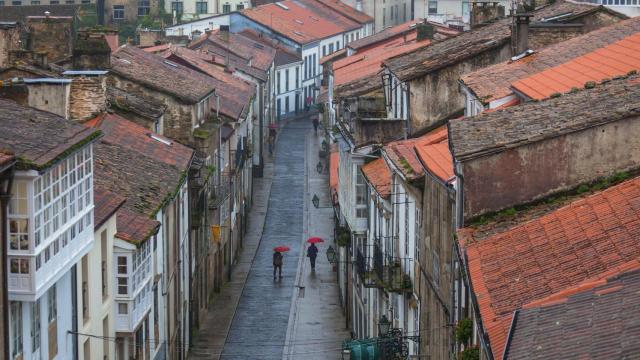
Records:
x=314, y=18
x=258, y=46
x=159, y=139
x=281, y=5
x=298, y=33
x=299, y=21
x=125, y=61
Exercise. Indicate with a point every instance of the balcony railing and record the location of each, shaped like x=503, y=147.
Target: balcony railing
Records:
x=219, y=191
x=396, y=276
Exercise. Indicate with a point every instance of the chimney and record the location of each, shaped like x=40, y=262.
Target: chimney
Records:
x=224, y=32
x=425, y=31
x=520, y=33
x=91, y=51
x=88, y=94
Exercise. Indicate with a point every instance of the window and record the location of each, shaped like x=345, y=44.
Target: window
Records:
x=35, y=326
x=226, y=8
x=35, y=2
x=433, y=7
x=278, y=83
x=201, y=7
x=391, y=17
x=297, y=77
x=18, y=217
x=52, y=304
x=177, y=7
x=314, y=64
x=144, y=7
x=122, y=277
x=306, y=67
x=118, y=12
x=337, y=45
x=16, y=2
x=361, y=195
x=324, y=50
x=330, y=48
x=384, y=17
x=54, y=2
x=19, y=266
x=286, y=80
x=123, y=287
x=103, y=264
x=239, y=7
x=357, y=35
x=70, y=2
x=16, y=330
x=123, y=308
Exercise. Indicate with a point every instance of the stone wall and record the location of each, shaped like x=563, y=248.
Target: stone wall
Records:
x=178, y=117
x=534, y=171
x=88, y=97
x=51, y=35
x=483, y=12
x=9, y=40
x=91, y=52
x=438, y=204
x=130, y=10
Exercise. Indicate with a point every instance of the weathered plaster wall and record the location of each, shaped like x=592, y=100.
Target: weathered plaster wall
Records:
x=534, y=171
x=50, y=97
x=88, y=97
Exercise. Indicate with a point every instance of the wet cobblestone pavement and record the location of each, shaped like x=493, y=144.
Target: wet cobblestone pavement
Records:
x=259, y=326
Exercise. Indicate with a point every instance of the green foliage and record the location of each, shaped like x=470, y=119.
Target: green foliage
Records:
x=574, y=90
x=201, y=133
x=343, y=237
x=470, y=354
x=582, y=189
x=632, y=72
x=589, y=84
x=555, y=95
x=464, y=330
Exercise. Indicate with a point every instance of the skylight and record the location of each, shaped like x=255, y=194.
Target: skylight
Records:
x=299, y=21
x=171, y=63
x=157, y=138
x=281, y=5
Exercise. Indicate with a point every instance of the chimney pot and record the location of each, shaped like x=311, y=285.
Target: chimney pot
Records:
x=521, y=33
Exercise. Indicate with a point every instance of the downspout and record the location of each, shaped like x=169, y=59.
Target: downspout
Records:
x=4, y=203
x=408, y=126
x=74, y=311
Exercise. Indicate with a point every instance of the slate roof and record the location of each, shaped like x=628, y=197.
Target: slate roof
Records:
x=20, y=13
x=158, y=74
x=105, y=204
x=532, y=260
x=141, y=106
x=235, y=93
x=404, y=158
x=223, y=58
x=129, y=162
x=297, y=23
x=260, y=55
x=494, y=82
x=378, y=175
x=6, y=159
x=531, y=122
x=433, y=152
x=597, y=321
x=471, y=43
x=283, y=56
x=617, y=59
x=38, y=138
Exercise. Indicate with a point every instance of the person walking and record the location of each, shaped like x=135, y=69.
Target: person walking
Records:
x=312, y=253
x=270, y=144
x=277, y=264
x=315, y=124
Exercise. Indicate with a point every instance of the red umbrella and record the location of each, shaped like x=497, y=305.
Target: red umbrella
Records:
x=272, y=126
x=281, y=248
x=314, y=240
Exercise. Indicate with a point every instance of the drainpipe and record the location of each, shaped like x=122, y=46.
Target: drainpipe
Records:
x=74, y=310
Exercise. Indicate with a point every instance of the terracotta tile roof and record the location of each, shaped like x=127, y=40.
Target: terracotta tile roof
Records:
x=493, y=82
x=141, y=166
x=378, y=175
x=564, y=248
x=433, y=152
x=235, y=93
x=158, y=74
x=328, y=10
x=297, y=23
x=336, y=55
x=260, y=55
x=531, y=122
x=156, y=49
x=105, y=204
x=617, y=59
x=137, y=104
x=595, y=322
x=471, y=43
x=38, y=138
x=404, y=158
x=359, y=74
x=345, y=10
x=397, y=31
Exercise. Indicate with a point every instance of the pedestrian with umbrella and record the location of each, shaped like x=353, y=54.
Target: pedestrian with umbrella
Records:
x=312, y=251
x=277, y=260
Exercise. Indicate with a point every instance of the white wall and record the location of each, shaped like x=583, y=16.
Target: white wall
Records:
x=187, y=29
x=282, y=94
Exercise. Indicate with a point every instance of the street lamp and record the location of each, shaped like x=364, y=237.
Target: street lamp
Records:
x=383, y=326
x=315, y=201
x=331, y=255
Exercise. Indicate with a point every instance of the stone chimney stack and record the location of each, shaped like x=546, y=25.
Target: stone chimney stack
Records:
x=425, y=31
x=91, y=51
x=520, y=33
x=88, y=95
x=485, y=12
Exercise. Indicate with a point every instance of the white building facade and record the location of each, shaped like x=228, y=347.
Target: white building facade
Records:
x=50, y=230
